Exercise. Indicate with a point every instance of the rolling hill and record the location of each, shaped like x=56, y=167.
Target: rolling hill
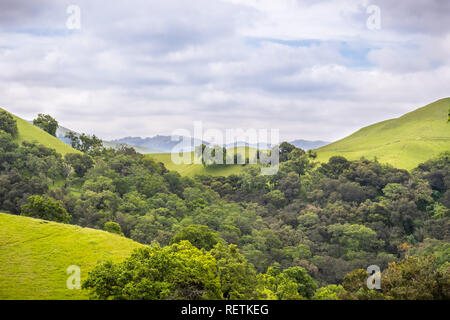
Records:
x=62, y=131
x=160, y=144
x=29, y=132
x=164, y=144
x=35, y=254
x=191, y=170
x=403, y=142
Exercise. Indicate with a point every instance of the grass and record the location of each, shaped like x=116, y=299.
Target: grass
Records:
x=34, y=256
x=404, y=142
x=30, y=133
x=191, y=170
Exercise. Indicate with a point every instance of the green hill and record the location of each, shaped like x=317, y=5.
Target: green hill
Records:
x=30, y=133
x=35, y=254
x=191, y=170
x=402, y=142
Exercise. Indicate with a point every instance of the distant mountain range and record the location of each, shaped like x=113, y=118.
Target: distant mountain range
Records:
x=62, y=131
x=403, y=142
x=161, y=144
x=308, y=145
x=167, y=144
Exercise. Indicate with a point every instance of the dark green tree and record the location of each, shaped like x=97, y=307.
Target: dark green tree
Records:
x=80, y=163
x=46, y=123
x=113, y=227
x=179, y=271
x=8, y=123
x=275, y=284
x=45, y=208
x=237, y=276
x=335, y=167
x=306, y=285
x=284, y=149
x=199, y=236
x=90, y=143
x=416, y=278
x=74, y=140
x=84, y=142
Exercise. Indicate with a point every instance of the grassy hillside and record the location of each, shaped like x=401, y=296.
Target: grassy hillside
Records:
x=403, y=142
x=34, y=256
x=30, y=133
x=62, y=131
x=191, y=170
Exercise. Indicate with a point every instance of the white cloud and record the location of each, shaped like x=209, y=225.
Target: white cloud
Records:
x=311, y=69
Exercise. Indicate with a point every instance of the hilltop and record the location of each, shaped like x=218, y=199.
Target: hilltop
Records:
x=62, y=131
x=403, y=142
x=29, y=132
x=198, y=169
x=36, y=253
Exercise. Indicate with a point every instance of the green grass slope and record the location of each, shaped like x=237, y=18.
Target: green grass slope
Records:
x=403, y=142
x=35, y=254
x=191, y=170
x=30, y=133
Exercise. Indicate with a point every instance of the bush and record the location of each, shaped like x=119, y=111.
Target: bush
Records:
x=331, y=292
x=113, y=227
x=46, y=123
x=179, y=271
x=199, y=236
x=8, y=124
x=80, y=163
x=416, y=278
x=45, y=208
x=306, y=285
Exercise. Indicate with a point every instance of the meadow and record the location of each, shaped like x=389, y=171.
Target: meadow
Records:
x=35, y=255
x=193, y=169
x=404, y=142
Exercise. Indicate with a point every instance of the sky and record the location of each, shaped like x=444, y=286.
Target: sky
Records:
x=315, y=70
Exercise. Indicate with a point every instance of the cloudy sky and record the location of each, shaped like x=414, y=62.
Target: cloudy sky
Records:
x=313, y=69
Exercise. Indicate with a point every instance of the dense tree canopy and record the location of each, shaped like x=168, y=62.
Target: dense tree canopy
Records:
x=179, y=271
x=199, y=236
x=84, y=142
x=298, y=234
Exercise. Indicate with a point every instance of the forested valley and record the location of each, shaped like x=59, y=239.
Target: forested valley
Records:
x=308, y=232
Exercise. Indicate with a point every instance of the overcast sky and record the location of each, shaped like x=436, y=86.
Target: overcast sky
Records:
x=312, y=69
